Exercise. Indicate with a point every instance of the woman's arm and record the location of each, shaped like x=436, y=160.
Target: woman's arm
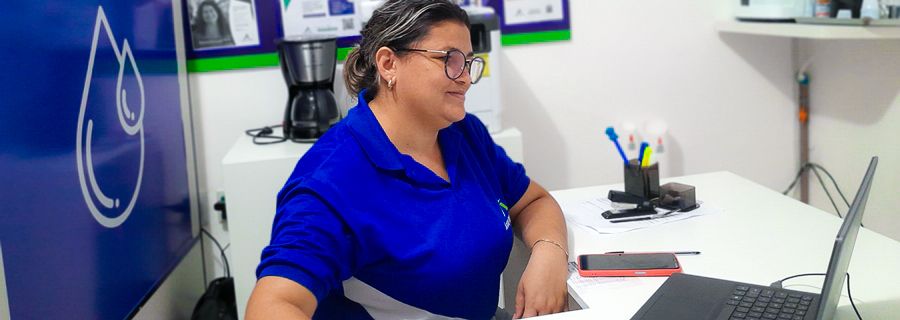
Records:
x=542, y=289
x=280, y=298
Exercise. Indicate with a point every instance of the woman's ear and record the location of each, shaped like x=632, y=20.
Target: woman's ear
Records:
x=386, y=61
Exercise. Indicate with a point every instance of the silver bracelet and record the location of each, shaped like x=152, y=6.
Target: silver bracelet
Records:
x=551, y=242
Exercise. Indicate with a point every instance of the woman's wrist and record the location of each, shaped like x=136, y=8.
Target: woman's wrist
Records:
x=552, y=245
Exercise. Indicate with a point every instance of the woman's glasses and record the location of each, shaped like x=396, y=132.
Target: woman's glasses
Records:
x=455, y=63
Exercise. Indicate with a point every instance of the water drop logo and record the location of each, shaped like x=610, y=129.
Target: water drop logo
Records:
x=111, y=211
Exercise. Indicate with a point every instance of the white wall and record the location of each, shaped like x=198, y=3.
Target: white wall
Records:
x=728, y=100
x=855, y=114
x=225, y=104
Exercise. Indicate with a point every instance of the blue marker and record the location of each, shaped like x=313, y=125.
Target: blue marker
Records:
x=615, y=139
x=644, y=146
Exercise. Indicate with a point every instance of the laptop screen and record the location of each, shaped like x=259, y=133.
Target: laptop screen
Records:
x=843, y=247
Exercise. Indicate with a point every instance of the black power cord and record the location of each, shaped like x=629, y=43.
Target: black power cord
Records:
x=833, y=182
x=220, y=207
x=800, y=172
x=827, y=193
x=221, y=251
x=266, y=135
x=815, y=169
x=778, y=284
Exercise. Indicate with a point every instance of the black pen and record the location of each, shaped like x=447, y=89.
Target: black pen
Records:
x=650, y=217
x=632, y=219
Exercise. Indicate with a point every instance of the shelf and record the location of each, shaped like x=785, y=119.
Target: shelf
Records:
x=807, y=31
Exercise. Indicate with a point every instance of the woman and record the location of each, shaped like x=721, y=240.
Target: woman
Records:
x=210, y=27
x=404, y=209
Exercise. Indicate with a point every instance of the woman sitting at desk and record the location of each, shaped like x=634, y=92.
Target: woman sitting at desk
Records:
x=405, y=208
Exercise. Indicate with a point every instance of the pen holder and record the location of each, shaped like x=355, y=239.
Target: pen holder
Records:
x=642, y=181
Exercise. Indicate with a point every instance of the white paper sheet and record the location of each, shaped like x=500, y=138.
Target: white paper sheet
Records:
x=578, y=282
x=587, y=214
x=600, y=291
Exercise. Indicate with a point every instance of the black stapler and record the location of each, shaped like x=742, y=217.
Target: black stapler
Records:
x=642, y=206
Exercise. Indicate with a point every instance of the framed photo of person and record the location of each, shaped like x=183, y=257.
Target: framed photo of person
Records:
x=230, y=34
x=218, y=24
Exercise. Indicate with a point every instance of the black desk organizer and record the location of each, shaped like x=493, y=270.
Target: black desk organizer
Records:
x=642, y=182
x=641, y=189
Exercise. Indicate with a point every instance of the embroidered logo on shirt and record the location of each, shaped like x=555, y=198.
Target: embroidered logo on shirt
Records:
x=504, y=211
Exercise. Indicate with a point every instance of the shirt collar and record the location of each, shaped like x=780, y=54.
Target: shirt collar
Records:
x=382, y=152
x=372, y=137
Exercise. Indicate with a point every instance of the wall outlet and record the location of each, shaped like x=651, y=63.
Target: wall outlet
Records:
x=219, y=205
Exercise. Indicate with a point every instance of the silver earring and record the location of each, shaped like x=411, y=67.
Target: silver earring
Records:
x=391, y=84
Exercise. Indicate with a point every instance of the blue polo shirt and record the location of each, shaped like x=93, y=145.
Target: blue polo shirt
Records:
x=373, y=233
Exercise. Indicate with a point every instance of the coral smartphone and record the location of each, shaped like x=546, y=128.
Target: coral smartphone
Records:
x=628, y=265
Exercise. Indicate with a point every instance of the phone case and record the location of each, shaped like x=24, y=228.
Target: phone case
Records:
x=630, y=272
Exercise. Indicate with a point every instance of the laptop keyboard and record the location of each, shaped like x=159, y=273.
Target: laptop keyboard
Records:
x=749, y=302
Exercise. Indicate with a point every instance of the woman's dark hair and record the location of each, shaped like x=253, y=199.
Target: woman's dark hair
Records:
x=396, y=24
x=200, y=24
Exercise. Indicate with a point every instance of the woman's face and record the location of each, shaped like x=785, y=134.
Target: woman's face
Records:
x=209, y=14
x=422, y=82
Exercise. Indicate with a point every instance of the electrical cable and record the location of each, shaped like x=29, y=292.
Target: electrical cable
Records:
x=221, y=251
x=816, y=167
x=827, y=193
x=796, y=179
x=833, y=182
x=806, y=65
x=265, y=135
x=778, y=284
x=836, y=187
x=858, y=316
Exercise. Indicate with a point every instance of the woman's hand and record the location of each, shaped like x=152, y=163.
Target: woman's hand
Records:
x=542, y=289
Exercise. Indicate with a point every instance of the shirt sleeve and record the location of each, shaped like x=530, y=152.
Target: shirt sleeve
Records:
x=513, y=179
x=310, y=245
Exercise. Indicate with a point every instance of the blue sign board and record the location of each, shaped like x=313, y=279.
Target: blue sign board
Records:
x=94, y=180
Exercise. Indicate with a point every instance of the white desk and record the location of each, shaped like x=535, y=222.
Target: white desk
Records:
x=760, y=237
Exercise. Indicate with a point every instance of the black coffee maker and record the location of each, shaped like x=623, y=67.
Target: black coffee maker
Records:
x=308, y=66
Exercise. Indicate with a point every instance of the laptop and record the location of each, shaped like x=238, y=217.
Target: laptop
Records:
x=690, y=297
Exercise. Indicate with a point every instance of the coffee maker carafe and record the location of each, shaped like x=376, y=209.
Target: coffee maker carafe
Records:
x=308, y=65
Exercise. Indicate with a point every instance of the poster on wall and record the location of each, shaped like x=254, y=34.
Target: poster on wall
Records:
x=531, y=21
x=231, y=34
x=521, y=22
x=538, y=20
x=520, y=12
x=337, y=18
x=222, y=23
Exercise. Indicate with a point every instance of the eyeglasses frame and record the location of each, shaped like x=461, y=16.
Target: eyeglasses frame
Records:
x=446, y=58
